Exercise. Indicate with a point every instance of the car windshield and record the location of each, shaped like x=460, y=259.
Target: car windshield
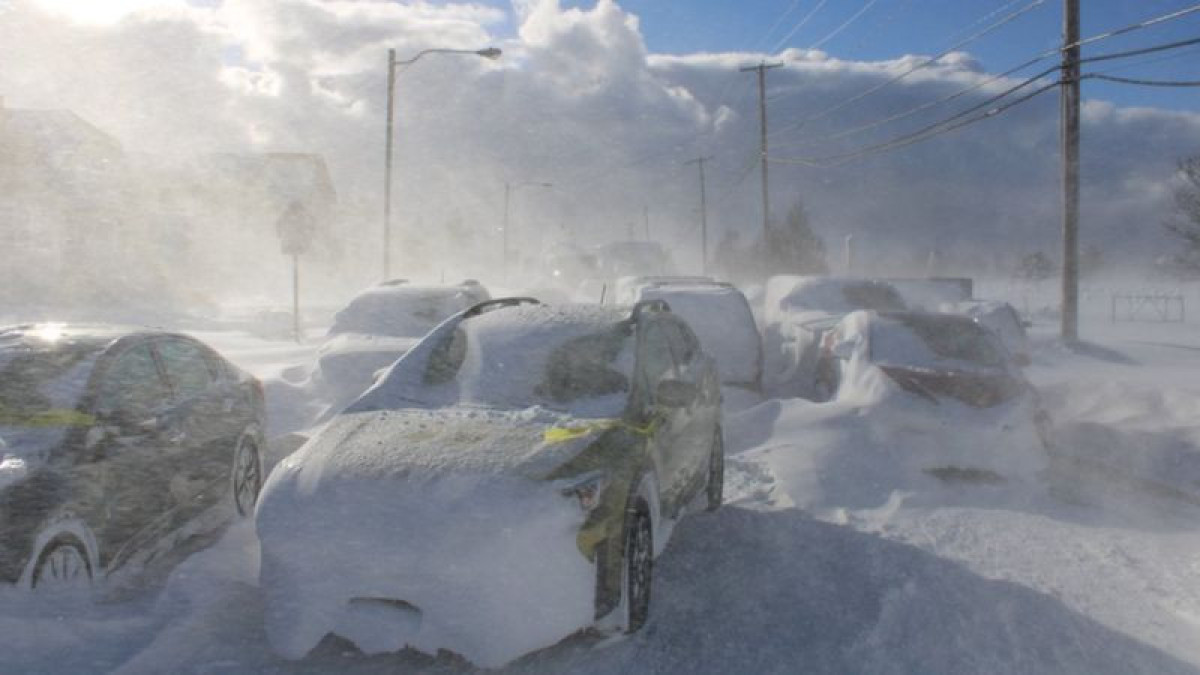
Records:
x=584, y=368
x=934, y=341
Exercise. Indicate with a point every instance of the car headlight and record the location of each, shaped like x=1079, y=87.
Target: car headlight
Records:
x=587, y=488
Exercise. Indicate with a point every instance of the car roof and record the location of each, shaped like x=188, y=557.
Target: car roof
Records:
x=49, y=336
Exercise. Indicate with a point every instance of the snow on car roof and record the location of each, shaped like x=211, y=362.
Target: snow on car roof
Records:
x=834, y=295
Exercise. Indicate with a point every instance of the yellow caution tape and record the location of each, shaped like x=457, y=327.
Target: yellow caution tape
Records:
x=47, y=418
x=564, y=434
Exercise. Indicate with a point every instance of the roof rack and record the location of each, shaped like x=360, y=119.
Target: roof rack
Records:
x=489, y=305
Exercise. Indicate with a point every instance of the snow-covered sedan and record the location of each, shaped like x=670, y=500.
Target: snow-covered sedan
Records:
x=942, y=390
x=115, y=445
x=797, y=311
x=379, y=326
x=505, y=484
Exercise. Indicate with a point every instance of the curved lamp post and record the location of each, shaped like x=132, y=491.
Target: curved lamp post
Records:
x=488, y=53
x=509, y=188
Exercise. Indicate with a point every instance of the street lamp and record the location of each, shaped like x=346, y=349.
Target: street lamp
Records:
x=509, y=188
x=488, y=53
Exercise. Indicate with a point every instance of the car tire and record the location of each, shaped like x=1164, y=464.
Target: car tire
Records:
x=637, y=566
x=246, y=476
x=62, y=564
x=714, y=490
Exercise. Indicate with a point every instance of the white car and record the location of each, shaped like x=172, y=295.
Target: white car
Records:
x=379, y=326
x=943, y=389
x=507, y=483
x=797, y=310
x=719, y=314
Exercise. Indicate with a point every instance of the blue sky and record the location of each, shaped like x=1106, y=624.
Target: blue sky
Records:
x=890, y=28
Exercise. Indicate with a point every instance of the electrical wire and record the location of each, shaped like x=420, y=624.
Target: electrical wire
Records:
x=837, y=31
x=1138, y=52
x=890, y=81
x=915, y=137
x=799, y=25
x=1144, y=83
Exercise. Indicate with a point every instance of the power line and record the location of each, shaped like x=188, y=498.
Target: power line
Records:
x=993, y=78
x=886, y=83
x=1138, y=52
x=915, y=137
x=839, y=29
x=1132, y=27
x=1144, y=83
x=799, y=25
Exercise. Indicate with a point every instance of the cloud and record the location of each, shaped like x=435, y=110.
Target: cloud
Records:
x=578, y=100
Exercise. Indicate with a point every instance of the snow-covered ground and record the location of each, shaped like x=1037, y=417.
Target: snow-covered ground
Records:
x=1103, y=577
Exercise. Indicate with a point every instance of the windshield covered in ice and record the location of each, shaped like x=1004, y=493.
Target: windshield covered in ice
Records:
x=936, y=341
x=519, y=358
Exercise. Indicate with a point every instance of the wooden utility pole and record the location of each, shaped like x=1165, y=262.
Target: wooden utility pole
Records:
x=699, y=161
x=1069, y=107
x=762, y=69
x=387, y=166
x=646, y=220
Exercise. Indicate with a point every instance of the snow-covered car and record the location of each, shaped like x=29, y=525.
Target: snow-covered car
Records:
x=718, y=313
x=112, y=442
x=797, y=311
x=506, y=483
x=378, y=327
x=944, y=390
x=1000, y=318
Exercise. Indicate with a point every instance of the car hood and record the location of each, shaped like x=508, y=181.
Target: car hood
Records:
x=418, y=443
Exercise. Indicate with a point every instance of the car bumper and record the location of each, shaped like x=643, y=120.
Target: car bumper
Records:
x=489, y=569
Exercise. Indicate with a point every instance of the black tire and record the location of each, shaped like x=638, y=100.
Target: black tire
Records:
x=638, y=565
x=246, y=476
x=714, y=491
x=63, y=560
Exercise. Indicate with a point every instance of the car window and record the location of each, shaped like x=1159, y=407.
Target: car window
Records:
x=585, y=367
x=188, y=368
x=656, y=361
x=132, y=384
x=684, y=344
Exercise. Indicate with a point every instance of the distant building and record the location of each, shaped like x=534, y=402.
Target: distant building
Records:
x=65, y=196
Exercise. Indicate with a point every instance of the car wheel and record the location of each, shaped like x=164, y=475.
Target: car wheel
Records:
x=715, y=490
x=62, y=565
x=638, y=567
x=247, y=475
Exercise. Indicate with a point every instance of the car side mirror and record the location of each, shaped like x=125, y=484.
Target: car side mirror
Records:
x=676, y=393
x=843, y=350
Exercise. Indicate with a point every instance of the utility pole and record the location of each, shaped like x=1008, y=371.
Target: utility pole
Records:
x=504, y=230
x=699, y=161
x=646, y=220
x=1069, y=107
x=762, y=69
x=387, y=167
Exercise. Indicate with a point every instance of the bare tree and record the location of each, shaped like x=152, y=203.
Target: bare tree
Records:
x=1184, y=221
